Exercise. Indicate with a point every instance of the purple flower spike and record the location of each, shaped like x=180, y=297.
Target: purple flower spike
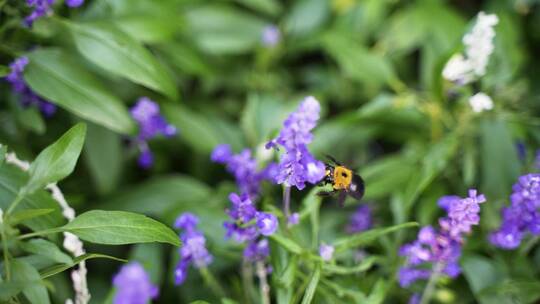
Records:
x=267, y=223
x=326, y=252
x=257, y=251
x=74, y=3
x=270, y=36
x=442, y=247
x=522, y=216
x=360, y=220
x=41, y=8
x=297, y=166
x=194, y=250
x=133, y=285
x=151, y=124
x=27, y=97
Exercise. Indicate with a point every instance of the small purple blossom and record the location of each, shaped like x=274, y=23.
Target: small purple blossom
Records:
x=415, y=299
x=257, y=250
x=27, y=96
x=270, y=36
x=297, y=166
x=293, y=219
x=244, y=168
x=194, y=249
x=360, y=220
x=133, y=285
x=522, y=216
x=74, y=3
x=441, y=249
x=41, y=8
x=151, y=124
x=267, y=223
x=326, y=252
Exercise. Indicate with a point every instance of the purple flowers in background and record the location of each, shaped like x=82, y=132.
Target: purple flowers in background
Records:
x=41, y=8
x=133, y=285
x=360, y=220
x=249, y=225
x=26, y=95
x=74, y=3
x=270, y=36
x=244, y=168
x=326, y=252
x=297, y=166
x=442, y=248
x=193, y=250
x=151, y=124
x=537, y=160
x=522, y=215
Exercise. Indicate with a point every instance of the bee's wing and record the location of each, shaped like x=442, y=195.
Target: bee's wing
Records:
x=341, y=198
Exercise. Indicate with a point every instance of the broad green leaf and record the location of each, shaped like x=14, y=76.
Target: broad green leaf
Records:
x=149, y=28
x=286, y=279
x=3, y=151
x=57, y=160
x=117, y=52
x=481, y=273
x=386, y=174
x=270, y=7
x=221, y=30
x=262, y=115
x=35, y=293
x=11, y=180
x=12, y=288
x=60, y=268
x=59, y=78
x=186, y=59
x=517, y=291
x=364, y=265
x=47, y=249
x=287, y=243
x=312, y=286
x=378, y=293
x=31, y=119
x=306, y=16
x=367, y=237
x=104, y=156
x=150, y=255
x=120, y=227
x=159, y=195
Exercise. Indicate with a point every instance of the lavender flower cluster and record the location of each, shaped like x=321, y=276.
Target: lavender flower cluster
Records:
x=244, y=168
x=251, y=226
x=27, y=96
x=522, y=215
x=193, y=250
x=442, y=248
x=297, y=166
x=151, y=124
x=43, y=8
x=133, y=285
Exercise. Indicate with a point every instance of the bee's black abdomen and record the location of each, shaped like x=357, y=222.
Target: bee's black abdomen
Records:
x=358, y=185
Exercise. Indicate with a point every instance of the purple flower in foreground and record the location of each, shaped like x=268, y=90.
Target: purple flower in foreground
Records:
x=133, y=285
x=26, y=95
x=522, y=216
x=297, y=166
x=41, y=8
x=360, y=220
x=244, y=168
x=270, y=35
x=194, y=247
x=440, y=250
x=267, y=223
x=326, y=252
x=74, y=3
x=151, y=124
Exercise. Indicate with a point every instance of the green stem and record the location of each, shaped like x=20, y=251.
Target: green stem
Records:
x=287, y=202
x=14, y=204
x=263, y=283
x=529, y=245
x=39, y=233
x=6, y=254
x=211, y=281
x=430, y=287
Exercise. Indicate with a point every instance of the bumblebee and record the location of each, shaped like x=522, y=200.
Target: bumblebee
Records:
x=343, y=180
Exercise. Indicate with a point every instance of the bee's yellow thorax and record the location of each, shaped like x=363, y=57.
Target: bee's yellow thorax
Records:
x=342, y=178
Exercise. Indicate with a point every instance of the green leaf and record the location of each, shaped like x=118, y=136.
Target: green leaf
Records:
x=312, y=287
x=513, y=291
x=23, y=272
x=149, y=28
x=31, y=119
x=104, y=156
x=262, y=115
x=365, y=265
x=221, y=30
x=4, y=70
x=12, y=288
x=47, y=249
x=58, y=77
x=287, y=243
x=3, y=151
x=57, y=160
x=117, y=52
x=378, y=293
x=306, y=16
x=369, y=236
x=120, y=227
x=60, y=268
x=482, y=273
x=11, y=180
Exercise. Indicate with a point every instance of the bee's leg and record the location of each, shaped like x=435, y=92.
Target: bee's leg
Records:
x=326, y=193
x=341, y=198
